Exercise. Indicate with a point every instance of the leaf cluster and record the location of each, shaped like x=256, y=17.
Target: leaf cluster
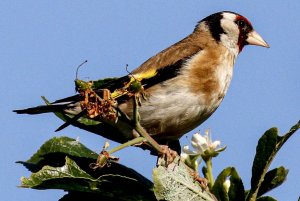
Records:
x=64, y=163
x=263, y=180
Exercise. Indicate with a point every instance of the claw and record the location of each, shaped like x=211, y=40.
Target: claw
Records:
x=202, y=181
x=167, y=154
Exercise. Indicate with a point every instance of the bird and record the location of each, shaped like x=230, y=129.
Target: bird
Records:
x=183, y=85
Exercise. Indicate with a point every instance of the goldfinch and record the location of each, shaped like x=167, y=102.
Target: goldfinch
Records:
x=182, y=85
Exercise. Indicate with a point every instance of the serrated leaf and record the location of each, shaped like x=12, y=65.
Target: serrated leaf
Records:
x=236, y=190
x=71, y=177
x=53, y=153
x=268, y=146
x=58, y=178
x=175, y=182
x=273, y=179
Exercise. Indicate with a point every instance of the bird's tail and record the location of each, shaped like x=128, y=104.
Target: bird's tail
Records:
x=70, y=105
x=41, y=109
x=49, y=107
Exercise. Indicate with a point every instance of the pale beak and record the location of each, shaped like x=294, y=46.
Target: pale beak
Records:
x=255, y=39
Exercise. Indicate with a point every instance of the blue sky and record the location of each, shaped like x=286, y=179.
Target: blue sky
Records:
x=42, y=43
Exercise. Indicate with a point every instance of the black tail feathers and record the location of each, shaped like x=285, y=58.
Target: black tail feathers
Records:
x=42, y=109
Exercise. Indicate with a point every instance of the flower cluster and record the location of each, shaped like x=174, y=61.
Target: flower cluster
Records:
x=203, y=147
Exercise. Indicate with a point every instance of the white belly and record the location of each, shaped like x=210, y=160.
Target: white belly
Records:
x=173, y=108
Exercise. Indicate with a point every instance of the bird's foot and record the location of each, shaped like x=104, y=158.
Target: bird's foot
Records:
x=202, y=181
x=167, y=154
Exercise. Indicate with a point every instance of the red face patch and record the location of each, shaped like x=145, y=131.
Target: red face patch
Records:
x=245, y=27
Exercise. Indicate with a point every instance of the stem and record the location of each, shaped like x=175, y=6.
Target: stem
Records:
x=149, y=139
x=136, y=116
x=127, y=144
x=209, y=174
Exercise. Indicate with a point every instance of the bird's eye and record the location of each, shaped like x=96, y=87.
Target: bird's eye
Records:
x=241, y=23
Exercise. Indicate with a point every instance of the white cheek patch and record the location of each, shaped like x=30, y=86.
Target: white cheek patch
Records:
x=231, y=36
x=230, y=27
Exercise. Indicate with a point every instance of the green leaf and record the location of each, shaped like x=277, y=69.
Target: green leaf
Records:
x=268, y=146
x=265, y=151
x=176, y=183
x=71, y=177
x=218, y=188
x=53, y=153
x=266, y=198
x=73, y=173
x=58, y=178
x=273, y=179
x=236, y=190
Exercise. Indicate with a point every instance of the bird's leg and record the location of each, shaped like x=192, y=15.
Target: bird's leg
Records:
x=163, y=150
x=141, y=130
x=105, y=156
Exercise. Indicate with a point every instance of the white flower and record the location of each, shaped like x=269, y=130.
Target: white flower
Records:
x=190, y=158
x=201, y=144
x=203, y=148
x=187, y=150
x=185, y=153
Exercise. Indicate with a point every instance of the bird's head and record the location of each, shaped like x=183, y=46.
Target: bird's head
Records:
x=232, y=30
